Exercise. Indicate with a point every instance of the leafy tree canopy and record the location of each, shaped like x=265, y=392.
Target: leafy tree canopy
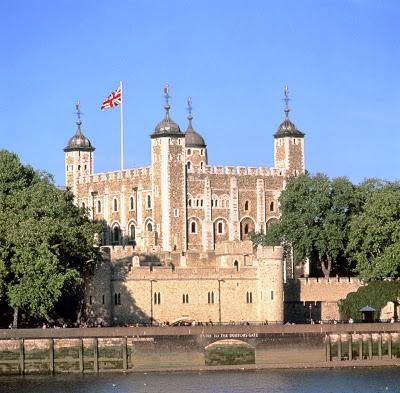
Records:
x=374, y=240
x=315, y=214
x=376, y=295
x=46, y=242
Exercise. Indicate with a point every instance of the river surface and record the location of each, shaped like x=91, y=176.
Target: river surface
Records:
x=358, y=380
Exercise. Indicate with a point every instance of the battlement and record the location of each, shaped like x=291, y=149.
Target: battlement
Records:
x=330, y=281
x=117, y=175
x=238, y=170
x=270, y=252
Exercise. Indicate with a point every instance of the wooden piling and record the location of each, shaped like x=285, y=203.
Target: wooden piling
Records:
x=80, y=350
x=328, y=348
x=350, y=347
x=96, y=355
x=51, y=356
x=339, y=347
x=124, y=354
x=21, y=357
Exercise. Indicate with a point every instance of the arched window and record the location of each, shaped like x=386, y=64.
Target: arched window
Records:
x=220, y=228
x=115, y=205
x=189, y=202
x=116, y=235
x=189, y=152
x=189, y=165
x=193, y=227
x=236, y=265
x=148, y=201
x=149, y=227
x=246, y=206
x=132, y=232
x=131, y=203
x=271, y=206
x=98, y=206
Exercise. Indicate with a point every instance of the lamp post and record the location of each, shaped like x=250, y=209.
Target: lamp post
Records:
x=151, y=301
x=219, y=299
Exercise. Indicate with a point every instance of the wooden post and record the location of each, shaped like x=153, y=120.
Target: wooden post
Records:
x=51, y=356
x=21, y=357
x=370, y=346
x=80, y=350
x=389, y=343
x=350, y=347
x=96, y=355
x=380, y=346
x=339, y=347
x=124, y=354
x=328, y=348
x=360, y=348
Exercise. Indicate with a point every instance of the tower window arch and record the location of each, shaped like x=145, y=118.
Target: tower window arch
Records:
x=115, y=204
x=149, y=227
x=193, y=227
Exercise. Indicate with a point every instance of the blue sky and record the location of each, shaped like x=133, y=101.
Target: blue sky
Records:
x=341, y=60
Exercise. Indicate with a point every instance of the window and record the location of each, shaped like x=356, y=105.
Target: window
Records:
x=116, y=235
x=176, y=212
x=149, y=227
x=129, y=267
x=103, y=299
x=117, y=299
x=249, y=297
x=220, y=228
x=185, y=298
x=85, y=167
x=98, y=206
x=201, y=202
x=79, y=167
x=189, y=152
x=193, y=227
x=202, y=152
x=90, y=300
x=115, y=205
x=246, y=206
x=188, y=165
x=246, y=229
x=83, y=205
x=236, y=265
x=189, y=202
x=210, y=297
x=216, y=203
x=132, y=232
x=272, y=295
x=201, y=164
x=271, y=207
x=149, y=201
x=131, y=203
x=157, y=298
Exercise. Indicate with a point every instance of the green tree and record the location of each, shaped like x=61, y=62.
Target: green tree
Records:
x=315, y=216
x=374, y=238
x=46, y=242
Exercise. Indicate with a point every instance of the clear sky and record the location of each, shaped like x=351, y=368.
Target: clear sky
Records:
x=341, y=60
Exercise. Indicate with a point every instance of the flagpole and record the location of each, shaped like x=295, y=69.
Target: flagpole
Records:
x=122, y=129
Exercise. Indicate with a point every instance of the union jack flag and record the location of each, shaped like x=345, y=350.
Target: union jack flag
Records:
x=114, y=99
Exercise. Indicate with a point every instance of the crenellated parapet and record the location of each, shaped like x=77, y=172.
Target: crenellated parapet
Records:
x=134, y=174
x=239, y=171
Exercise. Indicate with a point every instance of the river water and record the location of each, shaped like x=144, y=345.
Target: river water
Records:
x=358, y=380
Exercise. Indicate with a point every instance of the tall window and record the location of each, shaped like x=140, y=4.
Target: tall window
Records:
x=246, y=206
x=116, y=235
x=249, y=297
x=115, y=205
x=131, y=203
x=98, y=206
x=132, y=232
x=246, y=229
x=271, y=207
x=149, y=227
x=272, y=295
x=193, y=228
x=157, y=298
x=236, y=265
x=117, y=299
x=185, y=298
x=210, y=297
x=189, y=165
x=220, y=228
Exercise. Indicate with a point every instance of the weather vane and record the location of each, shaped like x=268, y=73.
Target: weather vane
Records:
x=286, y=99
x=166, y=92
x=78, y=110
x=189, y=105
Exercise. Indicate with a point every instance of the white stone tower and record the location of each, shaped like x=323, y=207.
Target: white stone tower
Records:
x=78, y=155
x=289, y=144
x=169, y=182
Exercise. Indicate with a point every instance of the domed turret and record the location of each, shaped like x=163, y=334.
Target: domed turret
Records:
x=193, y=138
x=79, y=141
x=287, y=128
x=167, y=126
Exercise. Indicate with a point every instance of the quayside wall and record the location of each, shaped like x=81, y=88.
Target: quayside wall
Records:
x=25, y=351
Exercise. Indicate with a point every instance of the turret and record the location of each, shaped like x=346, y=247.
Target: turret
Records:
x=169, y=182
x=78, y=155
x=196, y=149
x=289, y=144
